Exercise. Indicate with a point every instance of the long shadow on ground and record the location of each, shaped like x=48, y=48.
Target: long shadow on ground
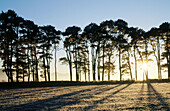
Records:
x=44, y=103
x=152, y=95
x=30, y=92
x=58, y=102
x=105, y=98
x=137, y=105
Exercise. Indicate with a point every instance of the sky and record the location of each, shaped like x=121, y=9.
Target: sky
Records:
x=64, y=13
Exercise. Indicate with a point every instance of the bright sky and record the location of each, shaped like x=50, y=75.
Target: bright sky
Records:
x=63, y=13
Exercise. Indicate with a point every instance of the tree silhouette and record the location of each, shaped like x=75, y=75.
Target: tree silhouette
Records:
x=50, y=36
x=8, y=37
x=27, y=49
x=146, y=52
x=86, y=55
x=28, y=34
x=121, y=28
x=107, y=28
x=156, y=46
x=164, y=31
x=93, y=34
x=109, y=65
x=71, y=44
x=135, y=35
x=55, y=41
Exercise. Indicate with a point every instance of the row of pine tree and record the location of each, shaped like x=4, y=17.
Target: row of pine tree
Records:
x=98, y=47
x=26, y=49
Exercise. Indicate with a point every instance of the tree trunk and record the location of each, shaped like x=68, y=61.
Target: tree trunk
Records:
x=79, y=65
x=103, y=62
x=129, y=65
x=36, y=65
x=76, y=61
x=23, y=75
x=55, y=62
x=168, y=56
x=11, y=63
x=120, y=66
x=146, y=51
x=159, y=66
x=109, y=69
x=98, y=62
x=85, y=69
x=17, y=68
x=135, y=63
x=69, y=57
x=88, y=67
x=28, y=64
x=93, y=64
x=168, y=63
x=169, y=70
x=70, y=64
x=77, y=75
x=139, y=52
x=48, y=67
x=85, y=74
x=33, y=70
x=44, y=66
x=45, y=75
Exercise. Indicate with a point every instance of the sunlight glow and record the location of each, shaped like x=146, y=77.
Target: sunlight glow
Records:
x=144, y=66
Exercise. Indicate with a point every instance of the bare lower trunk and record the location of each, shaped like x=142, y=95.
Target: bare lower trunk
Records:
x=168, y=63
x=36, y=66
x=23, y=75
x=169, y=71
x=11, y=64
x=98, y=64
x=93, y=65
x=55, y=63
x=69, y=57
x=158, y=61
x=32, y=60
x=45, y=75
x=70, y=71
x=109, y=69
x=129, y=65
x=28, y=65
x=88, y=67
x=120, y=66
x=103, y=62
x=48, y=69
x=168, y=57
x=85, y=69
x=135, y=64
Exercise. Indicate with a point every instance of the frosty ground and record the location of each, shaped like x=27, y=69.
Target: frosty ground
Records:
x=132, y=96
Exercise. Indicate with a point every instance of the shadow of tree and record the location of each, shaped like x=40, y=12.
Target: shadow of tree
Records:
x=95, y=97
x=106, y=89
x=140, y=98
x=105, y=98
x=58, y=102
x=30, y=92
x=154, y=95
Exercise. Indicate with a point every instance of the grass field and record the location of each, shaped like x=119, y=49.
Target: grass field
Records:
x=129, y=96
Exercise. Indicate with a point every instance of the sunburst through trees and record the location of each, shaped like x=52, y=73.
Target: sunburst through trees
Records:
x=26, y=49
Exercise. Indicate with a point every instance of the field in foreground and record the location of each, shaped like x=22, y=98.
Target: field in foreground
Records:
x=132, y=96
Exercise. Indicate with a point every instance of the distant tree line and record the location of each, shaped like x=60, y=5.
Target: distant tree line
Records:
x=26, y=49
